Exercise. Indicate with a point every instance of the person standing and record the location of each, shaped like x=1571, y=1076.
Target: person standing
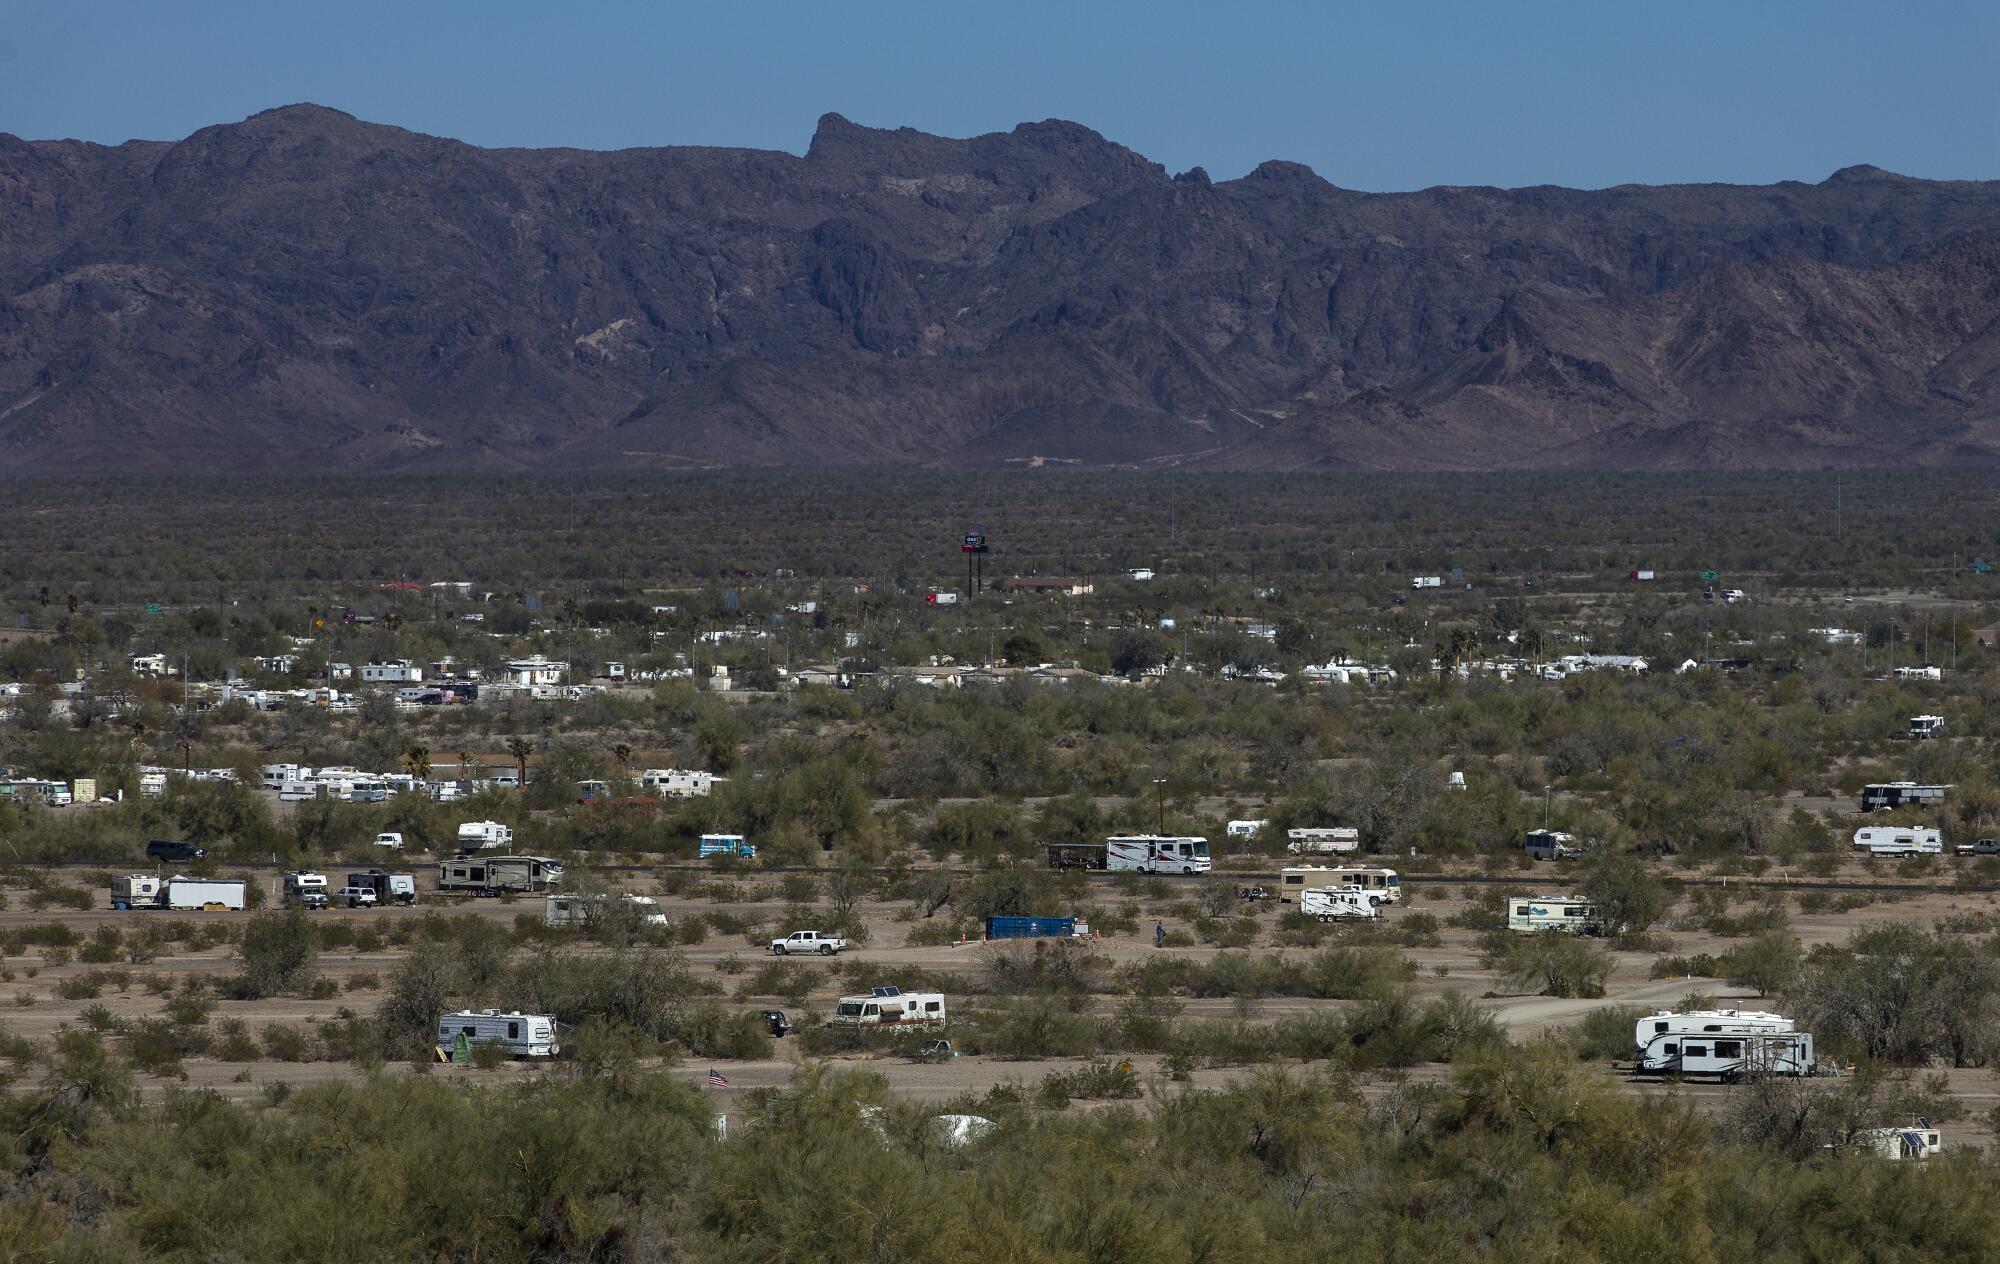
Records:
x=1159, y=934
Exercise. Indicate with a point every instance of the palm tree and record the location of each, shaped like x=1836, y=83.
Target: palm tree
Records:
x=417, y=761
x=465, y=765
x=622, y=752
x=520, y=748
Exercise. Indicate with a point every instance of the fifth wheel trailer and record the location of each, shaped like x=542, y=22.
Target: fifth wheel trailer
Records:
x=498, y=875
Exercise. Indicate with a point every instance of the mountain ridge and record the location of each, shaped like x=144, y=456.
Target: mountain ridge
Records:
x=306, y=285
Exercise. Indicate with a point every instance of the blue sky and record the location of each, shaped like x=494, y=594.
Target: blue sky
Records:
x=1379, y=96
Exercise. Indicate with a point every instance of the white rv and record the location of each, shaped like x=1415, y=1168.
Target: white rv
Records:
x=1382, y=886
x=1562, y=914
x=887, y=1006
x=1330, y=904
x=678, y=783
x=484, y=836
x=1728, y=1050
x=204, y=893
x=295, y=790
x=1296, y=878
x=1700, y=1022
x=1245, y=829
x=305, y=888
x=1899, y=840
x=1918, y=1141
x=1926, y=726
x=137, y=891
x=1338, y=839
x=583, y=910
x=523, y=1035
x=1156, y=853
x=1427, y=581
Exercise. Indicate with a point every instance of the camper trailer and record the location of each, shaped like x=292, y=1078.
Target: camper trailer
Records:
x=1899, y=840
x=1310, y=841
x=1725, y=1043
x=586, y=910
x=886, y=1006
x=677, y=783
x=1563, y=914
x=1900, y=794
x=1926, y=726
x=523, y=1035
x=389, y=888
x=498, y=875
x=137, y=891
x=1156, y=853
x=1331, y=904
x=1244, y=829
x=484, y=836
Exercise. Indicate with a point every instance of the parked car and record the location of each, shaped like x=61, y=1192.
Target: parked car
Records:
x=167, y=849
x=356, y=897
x=808, y=941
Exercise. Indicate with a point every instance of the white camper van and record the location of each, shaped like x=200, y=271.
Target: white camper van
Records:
x=1899, y=840
x=1330, y=904
x=1561, y=913
x=523, y=1035
x=1722, y=1043
x=1156, y=853
x=887, y=1006
x=1338, y=839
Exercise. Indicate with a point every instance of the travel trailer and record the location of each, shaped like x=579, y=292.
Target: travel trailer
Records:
x=498, y=875
x=584, y=910
x=1725, y=1043
x=1899, y=840
x=1330, y=904
x=484, y=836
x=1244, y=829
x=886, y=1006
x=137, y=890
x=1156, y=853
x=1338, y=839
x=523, y=1035
x=1563, y=914
x=1901, y=794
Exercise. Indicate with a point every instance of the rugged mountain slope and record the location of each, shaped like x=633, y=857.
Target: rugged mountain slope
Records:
x=304, y=289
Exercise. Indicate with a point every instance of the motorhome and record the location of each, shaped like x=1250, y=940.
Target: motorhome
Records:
x=498, y=875
x=1899, y=840
x=1296, y=878
x=484, y=836
x=1157, y=853
x=886, y=1006
x=1382, y=886
x=1546, y=844
x=1926, y=726
x=1722, y=1043
x=678, y=783
x=1901, y=794
x=1337, y=839
x=1335, y=903
x=298, y=789
x=523, y=1035
x=1562, y=914
x=576, y=909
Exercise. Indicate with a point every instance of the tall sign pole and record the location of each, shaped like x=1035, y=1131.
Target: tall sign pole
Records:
x=974, y=548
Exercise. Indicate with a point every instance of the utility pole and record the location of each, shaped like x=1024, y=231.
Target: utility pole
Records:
x=1546, y=792
x=1160, y=796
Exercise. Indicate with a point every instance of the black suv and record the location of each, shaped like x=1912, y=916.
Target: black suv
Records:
x=167, y=849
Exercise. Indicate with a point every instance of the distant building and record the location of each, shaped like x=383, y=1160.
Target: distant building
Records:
x=400, y=672
x=535, y=670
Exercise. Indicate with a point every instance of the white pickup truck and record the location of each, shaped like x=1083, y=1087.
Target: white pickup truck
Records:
x=808, y=941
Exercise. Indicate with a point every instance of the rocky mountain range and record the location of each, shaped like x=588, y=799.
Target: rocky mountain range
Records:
x=304, y=291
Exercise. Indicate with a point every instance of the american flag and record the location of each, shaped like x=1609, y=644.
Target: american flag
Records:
x=717, y=1079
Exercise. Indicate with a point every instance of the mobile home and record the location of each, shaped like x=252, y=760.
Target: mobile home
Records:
x=484, y=836
x=1562, y=914
x=888, y=1006
x=523, y=1035
x=1899, y=840
x=1338, y=839
x=1157, y=853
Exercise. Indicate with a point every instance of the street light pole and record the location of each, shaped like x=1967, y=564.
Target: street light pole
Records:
x=1546, y=791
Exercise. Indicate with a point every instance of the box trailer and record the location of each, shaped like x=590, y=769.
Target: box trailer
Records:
x=1918, y=1141
x=212, y=894
x=1156, y=853
x=1034, y=928
x=1899, y=840
x=522, y=1035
